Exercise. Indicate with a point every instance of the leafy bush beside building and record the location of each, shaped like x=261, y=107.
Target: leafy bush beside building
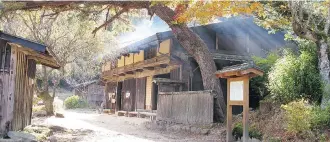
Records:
x=73, y=102
x=294, y=77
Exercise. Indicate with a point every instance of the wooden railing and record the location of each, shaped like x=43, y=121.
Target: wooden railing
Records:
x=138, y=66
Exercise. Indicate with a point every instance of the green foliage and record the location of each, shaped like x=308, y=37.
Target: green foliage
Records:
x=307, y=121
x=253, y=131
x=238, y=131
x=295, y=77
x=38, y=108
x=258, y=85
x=298, y=116
x=74, y=102
x=321, y=117
x=36, y=100
x=40, y=132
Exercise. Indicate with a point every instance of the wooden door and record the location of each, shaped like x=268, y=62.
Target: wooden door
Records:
x=140, y=92
x=110, y=95
x=118, y=96
x=128, y=95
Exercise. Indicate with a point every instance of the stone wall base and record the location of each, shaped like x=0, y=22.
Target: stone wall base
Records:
x=175, y=127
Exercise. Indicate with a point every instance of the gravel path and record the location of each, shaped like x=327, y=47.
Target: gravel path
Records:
x=112, y=128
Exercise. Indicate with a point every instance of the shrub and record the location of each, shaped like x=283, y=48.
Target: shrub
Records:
x=74, y=102
x=253, y=131
x=321, y=117
x=258, y=85
x=296, y=77
x=298, y=116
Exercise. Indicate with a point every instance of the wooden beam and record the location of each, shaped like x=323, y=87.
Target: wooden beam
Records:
x=149, y=68
x=130, y=72
x=41, y=58
x=139, y=70
x=163, y=65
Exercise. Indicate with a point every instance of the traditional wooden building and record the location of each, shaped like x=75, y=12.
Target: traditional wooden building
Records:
x=17, y=72
x=159, y=63
x=92, y=92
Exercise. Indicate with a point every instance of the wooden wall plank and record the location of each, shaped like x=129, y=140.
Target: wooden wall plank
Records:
x=192, y=107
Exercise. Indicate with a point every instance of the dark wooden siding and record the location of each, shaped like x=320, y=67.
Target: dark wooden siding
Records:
x=31, y=68
x=175, y=74
x=140, y=92
x=128, y=101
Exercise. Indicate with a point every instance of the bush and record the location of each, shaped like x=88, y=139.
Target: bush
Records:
x=253, y=132
x=258, y=85
x=296, y=77
x=321, y=117
x=74, y=102
x=298, y=115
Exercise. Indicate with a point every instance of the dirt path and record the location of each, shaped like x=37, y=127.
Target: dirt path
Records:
x=93, y=127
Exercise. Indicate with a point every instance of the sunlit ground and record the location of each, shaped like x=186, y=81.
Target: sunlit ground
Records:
x=106, y=128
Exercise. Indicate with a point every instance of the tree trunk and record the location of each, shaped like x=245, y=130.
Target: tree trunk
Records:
x=48, y=101
x=324, y=67
x=44, y=94
x=196, y=47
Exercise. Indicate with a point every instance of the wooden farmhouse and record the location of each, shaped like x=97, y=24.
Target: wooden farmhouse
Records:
x=17, y=72
x=159, y=63
x=92, y=92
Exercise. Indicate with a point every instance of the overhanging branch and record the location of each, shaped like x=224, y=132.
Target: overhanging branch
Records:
x=110, y=20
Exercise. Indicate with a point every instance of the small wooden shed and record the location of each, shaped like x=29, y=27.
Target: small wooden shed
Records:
x=18, y=59
x=92, y=92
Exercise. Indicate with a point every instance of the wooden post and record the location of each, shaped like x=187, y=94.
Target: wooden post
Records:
x=246, y=109
x=229, y=115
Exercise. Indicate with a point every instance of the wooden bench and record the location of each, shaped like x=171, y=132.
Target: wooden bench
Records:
x=152, y=116
x=106, y=110
x=133, y=114
x=122, y=113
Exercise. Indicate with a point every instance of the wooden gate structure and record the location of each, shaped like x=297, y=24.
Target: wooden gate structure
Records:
x=18, y=59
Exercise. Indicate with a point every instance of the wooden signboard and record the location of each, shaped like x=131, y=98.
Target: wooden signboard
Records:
x=238, y=93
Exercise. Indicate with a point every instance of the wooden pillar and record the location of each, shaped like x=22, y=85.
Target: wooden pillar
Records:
x=229, y=123
x=246, y=109
x=229, y=114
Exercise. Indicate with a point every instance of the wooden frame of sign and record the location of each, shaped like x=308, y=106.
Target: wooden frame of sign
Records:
x=238, y=93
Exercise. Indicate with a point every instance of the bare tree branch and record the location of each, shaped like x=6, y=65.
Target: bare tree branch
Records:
x=110, y=20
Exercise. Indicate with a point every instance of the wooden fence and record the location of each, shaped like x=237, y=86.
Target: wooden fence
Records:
x=190, y=107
